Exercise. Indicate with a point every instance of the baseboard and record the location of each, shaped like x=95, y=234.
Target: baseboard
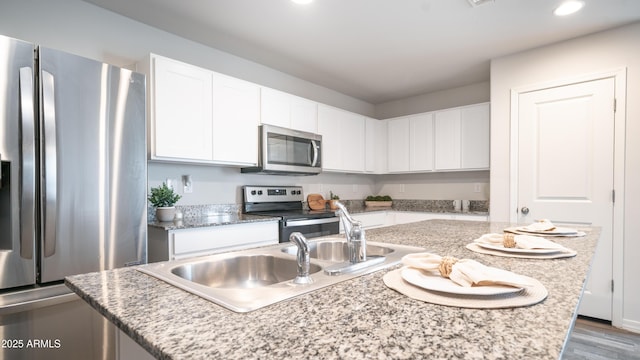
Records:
x=631, y=325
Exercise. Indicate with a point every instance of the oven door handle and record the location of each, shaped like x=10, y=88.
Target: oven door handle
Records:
x=305, y=222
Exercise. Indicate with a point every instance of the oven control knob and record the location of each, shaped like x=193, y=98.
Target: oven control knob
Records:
x=259, y=192
x=253, y=192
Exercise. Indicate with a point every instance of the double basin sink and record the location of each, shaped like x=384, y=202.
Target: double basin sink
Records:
x=247, y=280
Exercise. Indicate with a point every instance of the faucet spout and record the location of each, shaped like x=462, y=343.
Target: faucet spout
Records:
x=356, y=240
x=302, y=258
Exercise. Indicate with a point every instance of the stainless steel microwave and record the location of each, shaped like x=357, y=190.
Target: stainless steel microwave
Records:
x=287, y=152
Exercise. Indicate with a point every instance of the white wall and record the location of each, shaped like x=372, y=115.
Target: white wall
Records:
x=599, y=52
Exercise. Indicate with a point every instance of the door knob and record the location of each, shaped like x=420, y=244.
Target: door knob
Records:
x=524, y=210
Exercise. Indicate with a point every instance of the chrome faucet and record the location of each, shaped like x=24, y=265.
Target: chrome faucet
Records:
x=354, y=232
x=302, y=258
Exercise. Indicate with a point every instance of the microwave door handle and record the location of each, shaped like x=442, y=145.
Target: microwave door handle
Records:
x=50, y=163
x=314, y=150
x=27, y=198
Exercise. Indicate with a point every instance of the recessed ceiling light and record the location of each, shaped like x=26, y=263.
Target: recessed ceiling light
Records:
x=302, y=2
x=568, y=8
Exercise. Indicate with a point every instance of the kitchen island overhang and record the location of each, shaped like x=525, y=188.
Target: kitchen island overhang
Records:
x=355, y=318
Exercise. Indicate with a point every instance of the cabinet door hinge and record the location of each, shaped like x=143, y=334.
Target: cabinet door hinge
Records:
x=611, y=285
x=613, y=196
x=615, y=104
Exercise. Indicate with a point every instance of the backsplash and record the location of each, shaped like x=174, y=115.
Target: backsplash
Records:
x=436, y=206
x=198, y=211
x=475, y=206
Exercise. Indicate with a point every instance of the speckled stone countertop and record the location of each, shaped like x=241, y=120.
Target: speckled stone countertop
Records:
x=356, y=319
x=223, y=219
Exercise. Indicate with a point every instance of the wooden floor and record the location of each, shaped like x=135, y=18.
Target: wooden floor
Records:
x=597, y=340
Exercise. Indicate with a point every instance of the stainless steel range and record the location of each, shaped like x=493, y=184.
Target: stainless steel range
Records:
x=286, y=202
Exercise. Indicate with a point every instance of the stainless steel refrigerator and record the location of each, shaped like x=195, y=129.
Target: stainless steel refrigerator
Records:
x=72, y=186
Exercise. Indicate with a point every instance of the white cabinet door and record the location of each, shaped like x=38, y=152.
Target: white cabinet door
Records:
x=343, y=143
x=421, y=142
x=181, y=110
x=236, y=115
x=329, y=127
x=410, y=145
x=447, y=139
x=209, y=240
x=375, y=146
x=352, y=133
x=462, y=138
x=274, y=108
x=398, y=134
x=288, y=111
x=475, y=136
x=304, y=114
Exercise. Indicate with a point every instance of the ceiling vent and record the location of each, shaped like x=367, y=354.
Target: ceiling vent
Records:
x=475, y=3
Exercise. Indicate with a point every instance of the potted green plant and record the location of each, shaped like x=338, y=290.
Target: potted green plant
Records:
x=163, y=198
x=333, y=198
x=378, y=201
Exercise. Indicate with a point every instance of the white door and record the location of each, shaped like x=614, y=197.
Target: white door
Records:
x=566, y=167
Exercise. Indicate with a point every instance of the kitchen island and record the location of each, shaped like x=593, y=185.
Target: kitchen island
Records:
x=356, y=319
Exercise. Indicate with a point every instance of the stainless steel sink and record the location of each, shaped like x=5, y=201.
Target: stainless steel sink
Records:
x=336, y=250
x=247, y=280
x=246, y=271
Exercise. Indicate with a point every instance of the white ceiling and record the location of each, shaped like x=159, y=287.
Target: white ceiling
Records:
x=376, y=50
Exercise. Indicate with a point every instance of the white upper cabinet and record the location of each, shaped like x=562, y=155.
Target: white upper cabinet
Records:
x=288, y=111
x=462, y=138
x=476, y=122
x=375, y=146
x=447, y=139
x=421, y=142
x=236, y=114
x=197, y=115
x=181, y=110
x=410, y=143
x=343, y=139
x=398, y=135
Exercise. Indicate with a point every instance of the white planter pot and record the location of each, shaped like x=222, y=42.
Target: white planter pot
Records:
x=166, y=213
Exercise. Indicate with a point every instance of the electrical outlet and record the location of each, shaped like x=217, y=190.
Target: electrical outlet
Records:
x=477, y=188
x=187, y=184
x=401, y=188
x=354, y=188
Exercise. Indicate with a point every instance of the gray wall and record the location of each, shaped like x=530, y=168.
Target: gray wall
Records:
x=464, y=95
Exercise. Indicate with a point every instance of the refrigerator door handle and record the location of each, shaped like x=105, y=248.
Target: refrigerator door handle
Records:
x=27, y=198
x=50, y=163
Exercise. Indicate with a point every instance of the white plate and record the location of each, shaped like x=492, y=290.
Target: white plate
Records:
x=517, y=250
x=438, y=283
x=556, y=231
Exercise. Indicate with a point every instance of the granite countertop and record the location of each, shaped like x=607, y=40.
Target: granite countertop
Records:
x=356, y=319
x=204, y=221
